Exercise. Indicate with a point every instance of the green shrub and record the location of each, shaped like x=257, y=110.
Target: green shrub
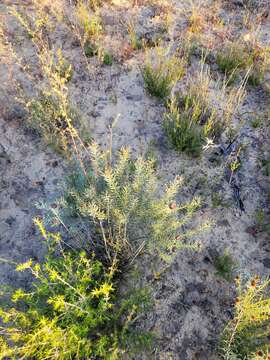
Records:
x=90, y=24
x=107, y=59
x=225, y=265
x=231, y=59
x=45, y=116
x=244, y=56
x=90, y=49
x=135, y=42
x=262, y=221
x=161, y=74
x=182, y=128
x=228, y=62
x=72, y=311
x=247, y=335
x=190, y=119
x=50, y=113
x=125, y=212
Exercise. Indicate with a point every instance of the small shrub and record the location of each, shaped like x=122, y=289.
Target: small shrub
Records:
x=255, y=123
x=225, y=265
x=107, y=59
x=229, y=61
x=73, y=310
x=244, y=56
x=247, y=335
x=161, y=75
x=125, y=213
x=218, y=200
x=183, y=128
x=135, y=42
x=50, y=113
x=90, y=24
x=90, y=49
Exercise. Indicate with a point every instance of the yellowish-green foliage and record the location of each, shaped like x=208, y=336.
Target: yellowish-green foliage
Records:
x=89, y=22
x=190, y=117
x=70, y=312
x=244, y=55
x=51, y=113
x=122, y=204
x=182, y=126
x=161, y=72
x=247, y=334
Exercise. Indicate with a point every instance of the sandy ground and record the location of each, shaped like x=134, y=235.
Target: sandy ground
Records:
x=192, y=303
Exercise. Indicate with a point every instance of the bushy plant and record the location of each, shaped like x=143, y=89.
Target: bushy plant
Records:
x=190, y=118
x=183, y=128
x=225, y=265
x=107, y=59
x=50, y=113
x=162, y=73
x=90, y=23
x=72, y=311
x=229, y=60
x=122, y=204
x=247, y=335
x=244, y=55
x=134, y=40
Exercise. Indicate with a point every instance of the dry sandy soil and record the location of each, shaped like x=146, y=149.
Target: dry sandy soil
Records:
x=192, y=303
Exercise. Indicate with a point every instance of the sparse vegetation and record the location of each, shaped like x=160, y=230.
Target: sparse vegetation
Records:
x=190, y=119
x=244, y=55
x=72, y=310
x=225, y=265
x=246, y=335
x=130, y=73
x=182, y=127
x=161, y=74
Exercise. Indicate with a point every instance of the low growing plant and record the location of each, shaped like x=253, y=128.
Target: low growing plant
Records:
x=247, y=335
x=125, y=212
x=107, y=59
x=72, y=311
x=182, y=128
x=90, y=23
x=225, y=265
x=50, y=113
x=229, y=59
x=161, y=73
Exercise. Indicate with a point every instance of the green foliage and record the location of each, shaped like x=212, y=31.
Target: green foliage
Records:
x=107, y=59
x=46, y=117
x=248, y=56
x=50, y=113
x=265, y=163
x=228, y=62
x=135, y=42
x=218, y=200
x=247, y=335
x=73, y=310
x=183, y=128
x=225, y=265
x=125, y=212
x=263, y=221
x=162, y=74
x=90, y=24
x=189, y=120
x=255, y=123
x=90, y=49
